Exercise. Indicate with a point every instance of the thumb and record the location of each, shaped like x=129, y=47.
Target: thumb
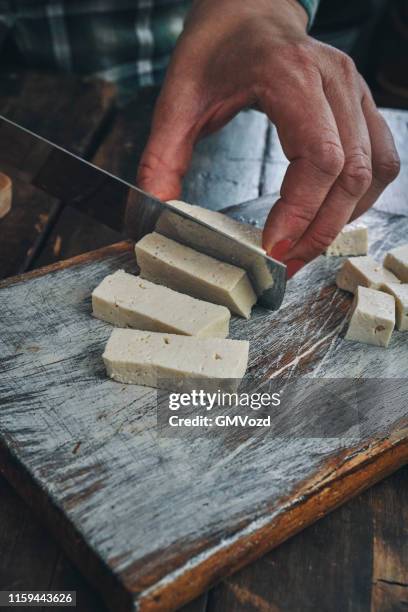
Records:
x=169, y=149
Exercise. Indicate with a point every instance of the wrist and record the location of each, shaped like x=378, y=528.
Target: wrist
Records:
x=288, y=15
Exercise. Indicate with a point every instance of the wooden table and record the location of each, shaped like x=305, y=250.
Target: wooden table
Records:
x=354, y=559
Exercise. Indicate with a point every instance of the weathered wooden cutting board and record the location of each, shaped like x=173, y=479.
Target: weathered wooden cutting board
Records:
x=153, y=521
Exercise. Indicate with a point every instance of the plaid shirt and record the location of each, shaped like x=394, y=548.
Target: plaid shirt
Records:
x=128, y=42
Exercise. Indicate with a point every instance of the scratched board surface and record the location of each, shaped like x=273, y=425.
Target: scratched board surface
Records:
x=153, y=520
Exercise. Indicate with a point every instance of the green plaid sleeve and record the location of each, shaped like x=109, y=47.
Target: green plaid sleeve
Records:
x=311, y=7
x=128, y=42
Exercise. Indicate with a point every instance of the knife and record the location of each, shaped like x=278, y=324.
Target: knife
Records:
x=34, y=160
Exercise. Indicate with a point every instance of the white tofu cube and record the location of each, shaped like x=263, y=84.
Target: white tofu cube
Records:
x=126, y=300
x=166, y=360
x=400, y=293
x=397, y=261
x=352, y=241
x=214, y=244
x=166, y=262
x=373, y=318
x=365, y=272
x=244, y=232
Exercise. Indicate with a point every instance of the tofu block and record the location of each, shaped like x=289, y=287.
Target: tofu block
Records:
x=373, y=318
x=352, y=241
x=400, y=293
x=179, y=267
x=167, y=360
x=363, y=271
x=126, y=300
x=397, y=261
x=204, y=239
x=244, y=232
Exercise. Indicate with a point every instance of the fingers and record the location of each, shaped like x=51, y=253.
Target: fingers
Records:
x=385, y=159
x=311, y=142
x=344, y=97
x=330, y=180
x=182, y=115
x=168, y=152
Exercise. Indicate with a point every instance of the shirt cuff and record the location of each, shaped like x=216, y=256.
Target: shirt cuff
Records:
x=311, y=7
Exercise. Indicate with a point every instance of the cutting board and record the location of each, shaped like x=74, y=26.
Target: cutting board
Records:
x=153, y=521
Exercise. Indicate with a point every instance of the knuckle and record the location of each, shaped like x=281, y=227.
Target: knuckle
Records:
x=356, y=176
x=366, y=92
x=299, y=214
x=303, y=214
x=298, y=52
x=347, y=64
x=145, y=173
x=292, y=64
x=387, y=169
x=319, y=240
x=303, y=54
x=328, y=157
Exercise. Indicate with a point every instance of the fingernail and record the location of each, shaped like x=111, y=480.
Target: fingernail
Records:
x=293, y=266
x=280, y=248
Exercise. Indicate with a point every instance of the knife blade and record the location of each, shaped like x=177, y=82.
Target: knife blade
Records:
x=34, y=160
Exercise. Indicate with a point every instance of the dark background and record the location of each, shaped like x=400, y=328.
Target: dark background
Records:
x=375, y=34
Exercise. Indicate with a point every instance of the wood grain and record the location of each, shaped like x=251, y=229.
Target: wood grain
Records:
x=79, y=111
x=74, y=233
x=20, y=543
x=124, y=483
x=328, y=565
x=31, y=560
x=305, y=357
x=117, y=249
x=390, y=551
x=24, y=227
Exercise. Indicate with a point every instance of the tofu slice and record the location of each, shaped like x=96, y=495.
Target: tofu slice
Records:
x=352, y=241
x=167, y=360
x=364, y=271
x=373, y=318
x=244, y=232
x=179, y=267
x=397, y=261
x=400, y=293
x=200, y=238
x=126, y=300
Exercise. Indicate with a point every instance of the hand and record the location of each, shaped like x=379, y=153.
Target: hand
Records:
x=234, y=54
